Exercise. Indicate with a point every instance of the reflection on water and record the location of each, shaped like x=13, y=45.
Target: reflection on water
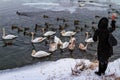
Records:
x=19, y=54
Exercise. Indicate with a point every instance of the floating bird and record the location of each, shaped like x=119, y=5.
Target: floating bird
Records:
x=61, y=27
x=96, y=16
x=36, y=27
x=49, y=33
x=27, y=33
x=22, y=14
x=26, y=28
x=81, y=4
x=83, y=47
x=38, y=39
x=52, y=46
x=67, y=33
x=14, y=27
x=20, y=29
x=39, y=54
x=57, y=40
x=45, y=16
x=7, y=37
x=88, y=40
x=72, y=44
x=64, y=45
x=76, y=22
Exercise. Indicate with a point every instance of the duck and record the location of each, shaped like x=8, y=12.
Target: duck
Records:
x=14, y=27
x=45, y=16
x=76, y=22
x=52, y=46
x=88, y=40
x=8, y=37
x=39, y=53
x=36, y=27
x=83, y=47
x=26, y=28
x=38, y=39
x=27, y=33
x=67, y=33
x=61, y=27
x=20, y=29
x=49, y=33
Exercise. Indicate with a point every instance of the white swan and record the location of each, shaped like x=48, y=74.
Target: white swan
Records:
x=64, y=45
x=88, y=40
x=52, y=47
x=49, y=33
x=57, y=40
x=83, y=47
x=72, y=43
x=7, y=37
x=39, y=54
x=81, y=4
x=38, y=39
x=67, y=33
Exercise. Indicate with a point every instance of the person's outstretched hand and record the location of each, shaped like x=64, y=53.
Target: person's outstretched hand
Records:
x=114, y=15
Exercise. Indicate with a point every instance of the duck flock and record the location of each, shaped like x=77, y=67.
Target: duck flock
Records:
x=50, y=38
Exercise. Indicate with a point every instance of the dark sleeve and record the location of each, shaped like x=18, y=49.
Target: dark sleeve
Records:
x=112, y=28
x=95, y=36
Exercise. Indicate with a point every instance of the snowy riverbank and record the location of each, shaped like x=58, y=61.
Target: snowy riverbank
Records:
x=59, y=70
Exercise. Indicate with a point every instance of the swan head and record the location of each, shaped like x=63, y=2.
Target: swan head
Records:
x=59, y=44
x=86, y=33
x=32, y=33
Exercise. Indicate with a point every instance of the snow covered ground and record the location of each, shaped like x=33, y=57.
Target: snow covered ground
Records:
x=60, y=70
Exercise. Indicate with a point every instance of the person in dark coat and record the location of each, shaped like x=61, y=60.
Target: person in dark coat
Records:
x=104, y=50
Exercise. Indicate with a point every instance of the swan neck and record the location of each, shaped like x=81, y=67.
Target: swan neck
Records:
x=86, y=45
x=86, y=35
x=33, y=52
x=32, y=36
x=43, y=30
x=3, y=32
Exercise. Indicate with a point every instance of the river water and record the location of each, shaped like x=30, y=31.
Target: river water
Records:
x=19, y=54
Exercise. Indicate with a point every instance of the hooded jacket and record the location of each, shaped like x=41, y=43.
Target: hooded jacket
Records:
x=104, y=50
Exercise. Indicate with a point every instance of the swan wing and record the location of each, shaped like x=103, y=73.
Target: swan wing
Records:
x=41, y=54
x=39, y=39
x=69, y=33
x=49, y=33
x=89, y=40
x=9, y=36
x=65, y=45
x=57, y=40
